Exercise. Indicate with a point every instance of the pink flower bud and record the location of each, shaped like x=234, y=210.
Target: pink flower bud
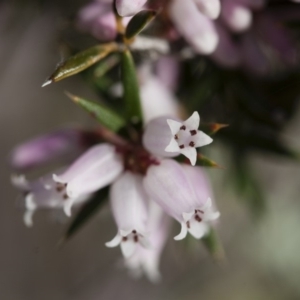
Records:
x=196, y=28
x=236, y=16
x=128, y=8
x=209, y=8
x=59, y=144
x=156, y=99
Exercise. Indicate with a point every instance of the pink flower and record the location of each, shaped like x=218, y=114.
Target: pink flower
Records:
x=44, y=193
x=96, y=168
x=171, y=186
x=57, y=145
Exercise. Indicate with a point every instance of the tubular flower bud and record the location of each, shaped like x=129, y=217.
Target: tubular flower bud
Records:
x=128, y=204
x=170, y=186
x=237, y=17
x=42, y=149
x=157, y=100
x=168, y=137
x=44, y=193
x=197, y=29
x=96, y=168
x=209, y=8
x=126, y=8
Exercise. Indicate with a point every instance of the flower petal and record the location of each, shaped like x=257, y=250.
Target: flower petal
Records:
x=128, y=247
x=198, y=229
x=193, y=121
x=190, y=153
x=173, y=146
x=114, y=242
x=95, y=169
x=174, y=126
x=202, y=139
x=183, y=232
x=157, y=136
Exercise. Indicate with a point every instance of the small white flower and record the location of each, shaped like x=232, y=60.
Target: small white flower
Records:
x=167, y=137
x=187, y=137
x=44, y=193
x=128, y=203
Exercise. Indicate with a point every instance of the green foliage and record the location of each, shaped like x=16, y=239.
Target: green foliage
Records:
x=81, y=61
x=104, y=115
x=203, y=161
x=131, y=88
x=139, y=22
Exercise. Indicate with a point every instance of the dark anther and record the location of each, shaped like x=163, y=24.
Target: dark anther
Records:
x=136, y=238
x=181, y=146
x=65, y=196
x=124, y=238
x=134, y=231
x=192, y=144
x=176, y=137
x=182, y=127
x=193, y=132
x=197, y=218
x=188, y=224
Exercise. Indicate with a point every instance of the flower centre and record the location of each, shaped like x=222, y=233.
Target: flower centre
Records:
x=137, y=159
x=185, y=137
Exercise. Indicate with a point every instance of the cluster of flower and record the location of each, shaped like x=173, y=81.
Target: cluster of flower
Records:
x=144, y=181
x=234, y=33
x=148, y=184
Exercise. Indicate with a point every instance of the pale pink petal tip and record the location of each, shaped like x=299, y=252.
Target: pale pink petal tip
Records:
x=126, y=8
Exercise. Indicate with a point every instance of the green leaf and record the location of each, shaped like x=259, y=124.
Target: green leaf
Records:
x=139, y=22
x=103, y=114
x=81, y=61
x=131, y=88
x=214, y=245
x=206, y=162
x=212, y=128
x=106, y=65
x=86, y=212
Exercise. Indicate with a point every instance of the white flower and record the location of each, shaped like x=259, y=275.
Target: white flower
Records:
x=96, y=168
x=44, y=193
x=172, y=187
x=128, y=204
x=146, y=261
x=167, y=137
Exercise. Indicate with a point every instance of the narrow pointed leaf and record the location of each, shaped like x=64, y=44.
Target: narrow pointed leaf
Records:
x=104, y=115
x=214, y=245
x=106, y=65
x=206, y=162
x=81, y=61
x=87, y=211
x=131, y=88
x=212, y=128
x=139, y=22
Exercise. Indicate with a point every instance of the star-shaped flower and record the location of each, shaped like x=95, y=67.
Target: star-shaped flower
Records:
x=186, y=137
